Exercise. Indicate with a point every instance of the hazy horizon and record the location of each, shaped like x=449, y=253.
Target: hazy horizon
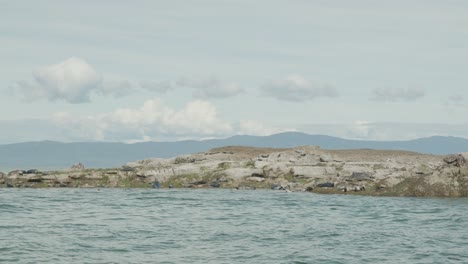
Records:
x=222, y=138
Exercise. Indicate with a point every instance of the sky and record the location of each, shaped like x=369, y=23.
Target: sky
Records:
x=133, y=71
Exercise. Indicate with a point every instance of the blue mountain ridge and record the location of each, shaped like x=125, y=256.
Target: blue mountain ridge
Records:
x=58, y=155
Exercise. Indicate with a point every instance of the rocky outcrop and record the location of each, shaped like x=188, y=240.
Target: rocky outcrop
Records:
x=77, y=166
x=458, y=160
x=367, y=172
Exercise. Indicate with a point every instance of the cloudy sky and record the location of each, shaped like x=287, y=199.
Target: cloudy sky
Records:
x=167, y=70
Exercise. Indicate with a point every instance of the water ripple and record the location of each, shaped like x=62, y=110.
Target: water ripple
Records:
x=224, y=226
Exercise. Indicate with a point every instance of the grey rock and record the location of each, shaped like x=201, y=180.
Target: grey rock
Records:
x=77, y=166
x=457, y=160
x=325, y=158
x=34, y=178
x=184, y=159
x=127, y=168
x=75, y=176
x=255, y=179
x=361, y=176
x=94, y=176
x=16, y=173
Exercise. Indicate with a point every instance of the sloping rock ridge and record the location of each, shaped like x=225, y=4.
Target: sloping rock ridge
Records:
x=307, y=168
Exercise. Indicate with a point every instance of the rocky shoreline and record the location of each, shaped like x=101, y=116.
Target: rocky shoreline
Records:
x=308, y=168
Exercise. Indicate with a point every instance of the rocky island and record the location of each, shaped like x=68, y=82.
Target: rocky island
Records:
x=307, y=168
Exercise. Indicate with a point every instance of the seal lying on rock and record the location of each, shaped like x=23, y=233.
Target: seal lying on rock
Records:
x=326, y=184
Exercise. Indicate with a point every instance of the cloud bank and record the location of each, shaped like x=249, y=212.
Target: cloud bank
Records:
x=211, y=88
x=296, y=88
x=397, y=94
x=75, y=80
x=156, y=121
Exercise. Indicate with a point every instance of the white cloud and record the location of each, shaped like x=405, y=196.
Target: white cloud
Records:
x=296, y=88
x=74, y=81
x=211, y=88
x=397, y=94
x=71, y=80
x=153, y=121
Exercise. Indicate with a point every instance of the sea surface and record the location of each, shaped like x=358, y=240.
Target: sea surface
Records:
x=227, y=226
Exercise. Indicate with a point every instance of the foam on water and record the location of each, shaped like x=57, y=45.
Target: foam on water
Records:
x=224, y=226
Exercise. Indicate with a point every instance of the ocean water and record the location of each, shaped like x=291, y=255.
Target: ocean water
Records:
x=227, y=226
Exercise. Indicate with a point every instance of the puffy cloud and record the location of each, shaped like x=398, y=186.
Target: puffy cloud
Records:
x=211, y=88
x=397, y=94
x=74, y=81
x=71, y=80
x=296, y=88
x=152, y=120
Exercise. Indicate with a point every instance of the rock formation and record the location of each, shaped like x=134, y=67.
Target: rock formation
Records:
x=367, y=172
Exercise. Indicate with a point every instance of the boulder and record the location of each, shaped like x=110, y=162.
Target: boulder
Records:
x=15, y=173
x=361, y=176
x=240, y=173
x=325, y=158
x=182, y=169
x=255, y=179
x=75, y=176
x=313, y=171
x=184, y=159
x=49, y=177
x=94, y=176
x=34, y=178
x=127, y=168
x=275, y=170
x=77, y=166
x=458, y=160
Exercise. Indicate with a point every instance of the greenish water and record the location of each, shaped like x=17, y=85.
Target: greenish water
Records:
x=224, y=226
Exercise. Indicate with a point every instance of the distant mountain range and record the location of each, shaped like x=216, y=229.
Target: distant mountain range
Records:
x=57, y=155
